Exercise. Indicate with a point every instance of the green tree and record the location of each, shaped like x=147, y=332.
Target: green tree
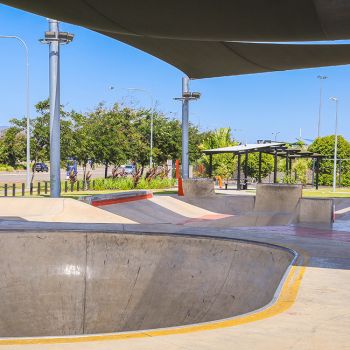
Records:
x=13, y=146
x=325, y=147
x=223, y=164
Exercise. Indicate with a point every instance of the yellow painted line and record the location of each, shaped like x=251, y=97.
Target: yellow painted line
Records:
x=285, y=300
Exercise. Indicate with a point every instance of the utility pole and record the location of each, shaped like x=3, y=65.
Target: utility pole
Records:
x=55, y=38
x=185, y=98
x=322, y=78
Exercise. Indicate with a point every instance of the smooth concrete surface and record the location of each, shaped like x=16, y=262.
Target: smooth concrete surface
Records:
x=312, y=310
x=201, y=187
x=79, y=283
x=315, y=210
x=278, y=198
x=55, y=210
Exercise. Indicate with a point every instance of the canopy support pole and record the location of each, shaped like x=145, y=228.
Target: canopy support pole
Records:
x=245, y=186
x=260, y=161
x=317, y=171
x=185, y=112
x=239, y=172
x=275, y=167
x=210, y=165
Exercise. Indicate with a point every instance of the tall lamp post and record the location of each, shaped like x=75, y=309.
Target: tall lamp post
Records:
x=27, y=103
x=276, y=133
x=335, y=99
x=152, y=110
x=186, y=97
x=55, y=38
x=322, y=78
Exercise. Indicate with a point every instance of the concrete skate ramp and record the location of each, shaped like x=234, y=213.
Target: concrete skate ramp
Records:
x=55, y=210
x=67, y=283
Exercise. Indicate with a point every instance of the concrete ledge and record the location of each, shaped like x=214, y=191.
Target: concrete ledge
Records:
x=279, y=198
x=316, y=210
x=114, y=198
x=198, y=187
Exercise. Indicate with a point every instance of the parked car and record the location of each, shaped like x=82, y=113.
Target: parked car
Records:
x=41, y=167
x=130, y=169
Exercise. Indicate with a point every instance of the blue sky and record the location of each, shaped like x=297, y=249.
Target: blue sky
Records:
x=256, y=105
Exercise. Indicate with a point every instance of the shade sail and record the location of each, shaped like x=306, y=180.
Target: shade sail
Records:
x=205, y=59
x=200, y=37
x=218, y=20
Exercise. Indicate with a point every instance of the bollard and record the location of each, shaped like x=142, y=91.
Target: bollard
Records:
x=93, y=184
x=88, y=184
x=78, y=185
x=72, y=186
x=23, y=189
x=45, y=187
x=31, y=189
x=13, y=190
x=39, y=188
x=66, y=186
x=5, y=190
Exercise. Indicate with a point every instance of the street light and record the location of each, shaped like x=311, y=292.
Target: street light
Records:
x=335, y=99
x=152, y=108
x=186, y=97
x=276, y=133
x=55, y=38
x=321, y=77
x=23, y=43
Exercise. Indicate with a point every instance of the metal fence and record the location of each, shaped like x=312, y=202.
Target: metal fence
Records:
x=43, y=188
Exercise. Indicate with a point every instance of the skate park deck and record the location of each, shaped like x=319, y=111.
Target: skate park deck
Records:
x=311, y=311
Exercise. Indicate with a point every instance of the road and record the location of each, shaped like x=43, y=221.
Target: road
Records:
x=20, y=176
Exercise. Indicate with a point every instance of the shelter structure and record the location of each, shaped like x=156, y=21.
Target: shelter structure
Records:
x=276, y=149
x=209, y=39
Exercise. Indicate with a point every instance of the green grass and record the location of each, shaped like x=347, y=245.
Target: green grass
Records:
x=327, y=192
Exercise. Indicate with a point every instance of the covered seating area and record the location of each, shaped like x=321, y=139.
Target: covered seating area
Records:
x=276, y=149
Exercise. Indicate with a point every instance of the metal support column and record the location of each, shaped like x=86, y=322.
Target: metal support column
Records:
x=287, y=163
x=239, y=172
x=317, y=168
x=275, y=167
x=55, y=146
x=210, y=165
x=185, y=112
x=260, y=161
x=245, y=186
x=339, y=181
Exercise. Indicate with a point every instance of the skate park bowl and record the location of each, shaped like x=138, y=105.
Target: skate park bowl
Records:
x=73, y=283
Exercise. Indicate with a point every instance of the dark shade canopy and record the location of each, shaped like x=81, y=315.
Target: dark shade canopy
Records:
x=200, y=37
x=205, y=59
x=218, y=20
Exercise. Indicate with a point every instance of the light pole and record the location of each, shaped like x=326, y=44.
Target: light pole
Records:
x=55, y=38
x=27, y=103
x=322, y=78
x=276, y=133
x=152, y=110
x=186, y=97
x=335, y=99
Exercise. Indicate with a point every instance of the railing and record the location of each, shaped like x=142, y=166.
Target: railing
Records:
x=43, y=188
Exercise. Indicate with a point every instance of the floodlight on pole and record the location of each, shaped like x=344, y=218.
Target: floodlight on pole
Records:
x=55, y=38
x=186, y=97
x=321, y=78
x=335, y=99
x=276, y=133
x=27, y=103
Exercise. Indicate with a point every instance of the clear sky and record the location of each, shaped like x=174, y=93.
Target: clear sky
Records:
x=255, y=105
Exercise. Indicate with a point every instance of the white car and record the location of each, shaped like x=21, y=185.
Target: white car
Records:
x=130, y=169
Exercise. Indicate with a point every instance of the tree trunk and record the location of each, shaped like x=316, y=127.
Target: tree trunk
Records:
x=106, y=170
